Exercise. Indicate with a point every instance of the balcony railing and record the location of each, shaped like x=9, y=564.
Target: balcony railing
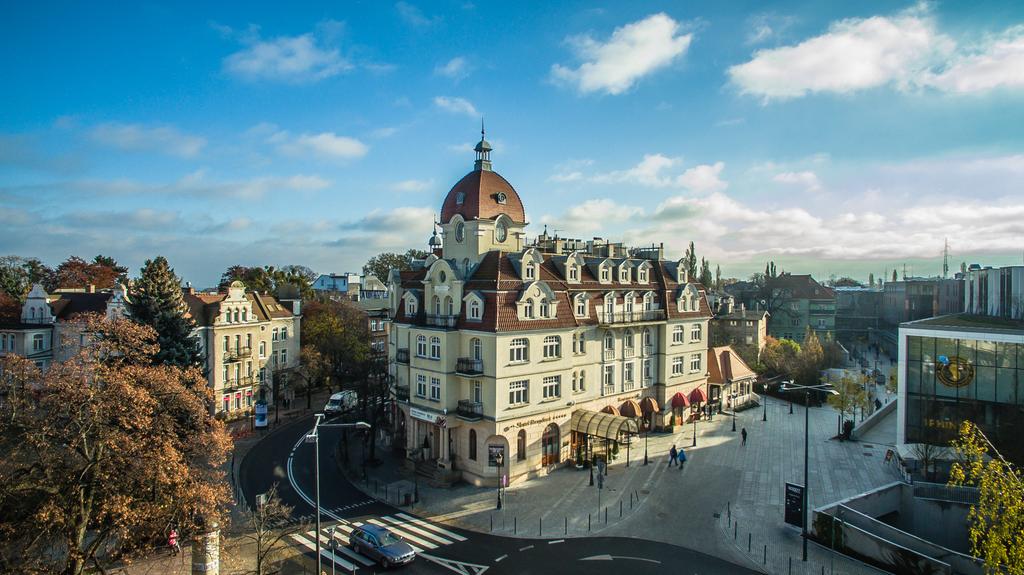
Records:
x=621, y=317
x=237, y=354
x=402, y=392
x=445, y=321
x=608, y=354
x=648, y=350
x=469, y=366
x=470, y=410
x=402, y=355
x=628, y=352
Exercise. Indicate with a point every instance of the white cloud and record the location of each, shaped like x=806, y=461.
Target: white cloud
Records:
x=324, y=144
x=633, y=51
x=287, y=58
x=593, y=215
x=456, y=68
x=456, y=105
x=414, y=16
x=655, y=171
x=996, y=63
x=855, y=54
x=808, y=180
x=412, y=185
x=136, y=137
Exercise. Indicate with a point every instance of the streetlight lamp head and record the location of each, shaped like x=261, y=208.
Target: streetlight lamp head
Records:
x=310, y=438
x=362, y=425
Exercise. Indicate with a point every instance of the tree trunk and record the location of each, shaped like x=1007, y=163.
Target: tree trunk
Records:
x=86, y=493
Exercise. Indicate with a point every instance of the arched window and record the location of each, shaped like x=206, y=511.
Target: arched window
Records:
x=32, y=312
x=628, y=339
x=411, y=307
x=227, y=343
x=609, y=340
x=421, y=346
x=528, y=308
x=236, y=315
x=435, y=348
x=629, y=302
x=648, y=302
x=647, y=337
x=474, y=310
x=475, y=349
x=552, y=346
x=521, y=445
x=472, y=444
x=519, y=350
x=581, y=305
x=545, y=309
x=245, y=314
x=609, y=303
x=449, y=306
x=437, y=305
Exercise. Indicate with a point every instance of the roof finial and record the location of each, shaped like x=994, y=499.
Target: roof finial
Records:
x=483, y=150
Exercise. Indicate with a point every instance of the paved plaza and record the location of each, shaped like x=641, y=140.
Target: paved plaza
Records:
x=728, y=496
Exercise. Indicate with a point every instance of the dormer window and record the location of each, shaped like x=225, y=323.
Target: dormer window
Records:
x=624, y=275
x=410, y=306
x=581, y=306
x=460, y=198
x=642, y=275
x=528, y=309
x=501, y=197
x=545, y=309
x=529, y=271
x=574, y=273
x=605, y=275
x=474, y=310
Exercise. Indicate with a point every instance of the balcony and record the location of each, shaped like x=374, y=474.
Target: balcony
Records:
x=443, y=321
x=237, y=354
x=608, y=355
x=402, y=392
x=469, y=366
x=625, y=317
x=402, y=355
x=647, y=350
x=628, y=352
x=470, y=410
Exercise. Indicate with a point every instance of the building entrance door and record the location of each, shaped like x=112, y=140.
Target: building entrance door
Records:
x=549, y=445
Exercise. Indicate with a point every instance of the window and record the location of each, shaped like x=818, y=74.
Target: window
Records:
x=263, y=375
x=575, y=382
x=624, y=275
x=695, y=332
x=732, y=322
x=284, y=333
x=284, y=357
x=238, y=343
x=37, y=342
x=225, y=375
x=421, y=346
x=477, y=392
x=273, y=336
x=227, y=402
x=629, y=303
x=647, y=338
x=581, y=306
x=528, y=308
x=521, y=445
x=529, y=271
x=248, y=341
x=677, y=334
x=236, y=321
x=609, y=341
x=227, y=344
x=627, y=375
x=686, y=304
x=609, y=304
x=609, y=376
x=474, y=310
x=421, y=385
x=410, y=308
x=263, y=349
x=245, y=317
x=583, y=380
x=574, y=273
x=605, y=275
x=449, y=306
x=552, y=387
x=437, y=305
x=475, y=349
x=472, y=444
x=648, y=302
x=552, y=346
x=821, y=324
x=519, y=350
x=501, y=230
x=628, y=340
x=647, y=372
x=642, y=275
x=435, y=389
x=518, y=392
x=435, y=348
x=583, y=342
x=695, y=363
x=677, y=366
x=545, y=308
x=3, y=342
x=238, y=396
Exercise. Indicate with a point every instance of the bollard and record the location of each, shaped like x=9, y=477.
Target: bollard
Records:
x=492, y=524
x=734, y=526
x=540, y=526
x=515, y=525
x=620, y=509
x=566, y=526
x=748, y=541
x=822, y=570
x=790, y=566
x=765, y=561
x=588, y=522
x=630, y=500
x=606, y=515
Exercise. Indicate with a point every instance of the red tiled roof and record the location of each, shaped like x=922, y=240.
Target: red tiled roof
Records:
x=70, y=304
x=725, y=365
x=481, y=189
x=802, y=287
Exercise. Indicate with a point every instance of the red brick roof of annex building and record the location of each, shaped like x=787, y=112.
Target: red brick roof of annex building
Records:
x=802, y=286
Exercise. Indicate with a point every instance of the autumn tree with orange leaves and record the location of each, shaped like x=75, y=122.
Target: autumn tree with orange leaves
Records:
x=103, y=453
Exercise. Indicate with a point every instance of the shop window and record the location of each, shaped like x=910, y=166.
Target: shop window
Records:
x=472, y=444
x=521, y=445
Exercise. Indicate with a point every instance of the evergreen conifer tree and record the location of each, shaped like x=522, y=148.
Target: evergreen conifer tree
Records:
x=157, y=301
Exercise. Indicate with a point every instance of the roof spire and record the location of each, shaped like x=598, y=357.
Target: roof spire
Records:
x=483, y=151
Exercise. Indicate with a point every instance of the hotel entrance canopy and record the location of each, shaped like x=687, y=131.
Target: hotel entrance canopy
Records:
x=604, y=425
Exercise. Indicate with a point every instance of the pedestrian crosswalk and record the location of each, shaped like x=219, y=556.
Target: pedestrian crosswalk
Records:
x=421, y=535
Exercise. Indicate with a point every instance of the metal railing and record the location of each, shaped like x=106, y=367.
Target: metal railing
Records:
x=647, y=350
x=942, y=492
x=445, y=321
x=469, y=366
x=608, y=354
x=468, y=409
x=402, y=355
x=628, y=352
x=402, y=392
x=619, y=317
x=237, y=354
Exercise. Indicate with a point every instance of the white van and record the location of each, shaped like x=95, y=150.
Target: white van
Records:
x=341, y=402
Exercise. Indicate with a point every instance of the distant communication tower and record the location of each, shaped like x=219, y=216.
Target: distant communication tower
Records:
x=945, y=260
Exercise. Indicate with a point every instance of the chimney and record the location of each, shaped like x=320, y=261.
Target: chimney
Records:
x=189, y=289
x=727, y=303
x=743, y=309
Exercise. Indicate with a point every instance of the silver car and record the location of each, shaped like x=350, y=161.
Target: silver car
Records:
x=381, y=545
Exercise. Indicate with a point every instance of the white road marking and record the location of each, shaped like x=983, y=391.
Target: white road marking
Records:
x=613, y=557
x=417, y=530
x=527, y=547
x=460, y=567
x=326, y=553
x=500, y=558
x=403, y=534
x=556, y=541
x=431, y=526
x=302, y=494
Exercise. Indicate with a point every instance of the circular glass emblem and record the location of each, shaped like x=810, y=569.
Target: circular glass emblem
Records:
x=501, y=232
x=460, y=232
x=954, y=371
x=442, y=276
x=502, y=198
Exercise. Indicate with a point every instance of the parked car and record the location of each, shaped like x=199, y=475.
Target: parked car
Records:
x=341, y=402
x=381, y=545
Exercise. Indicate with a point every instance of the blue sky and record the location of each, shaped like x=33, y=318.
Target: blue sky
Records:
x=833, y=139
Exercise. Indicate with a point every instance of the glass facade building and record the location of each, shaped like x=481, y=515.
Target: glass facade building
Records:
x=953, y=371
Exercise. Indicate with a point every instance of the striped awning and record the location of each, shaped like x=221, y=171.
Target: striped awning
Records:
x=603, y=425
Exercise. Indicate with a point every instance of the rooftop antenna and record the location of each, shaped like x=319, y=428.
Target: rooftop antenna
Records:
x=945, y=260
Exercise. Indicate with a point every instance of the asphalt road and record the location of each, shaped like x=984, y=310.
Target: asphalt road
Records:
x=283, y=458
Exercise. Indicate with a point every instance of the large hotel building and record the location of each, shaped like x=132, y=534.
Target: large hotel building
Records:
x=510, y=358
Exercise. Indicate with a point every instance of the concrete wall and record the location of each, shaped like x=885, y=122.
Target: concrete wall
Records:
x=873, y=419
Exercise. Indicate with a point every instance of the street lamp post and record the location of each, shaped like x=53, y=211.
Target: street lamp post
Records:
x=807, y=419
x=694, y=432
x=499, y=459
x=645, y=437
x=732, y=399
x=314, y=438
x=764, y=414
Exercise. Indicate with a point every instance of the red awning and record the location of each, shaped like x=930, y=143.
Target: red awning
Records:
x=679, y=400
x=649, y=405
x=610, y=409
x=629, y=408
x=698, y=395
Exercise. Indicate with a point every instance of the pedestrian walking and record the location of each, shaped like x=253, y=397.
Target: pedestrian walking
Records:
x=682, y=459
x=743, y=436
x=172, y=541
x=672, y=456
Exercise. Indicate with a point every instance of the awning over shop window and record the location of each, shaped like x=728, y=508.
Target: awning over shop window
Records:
x=610, y=409
x=649, y=405
x=630, y=408
x=698, y=395
x=679, y=401
x=604, y=425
